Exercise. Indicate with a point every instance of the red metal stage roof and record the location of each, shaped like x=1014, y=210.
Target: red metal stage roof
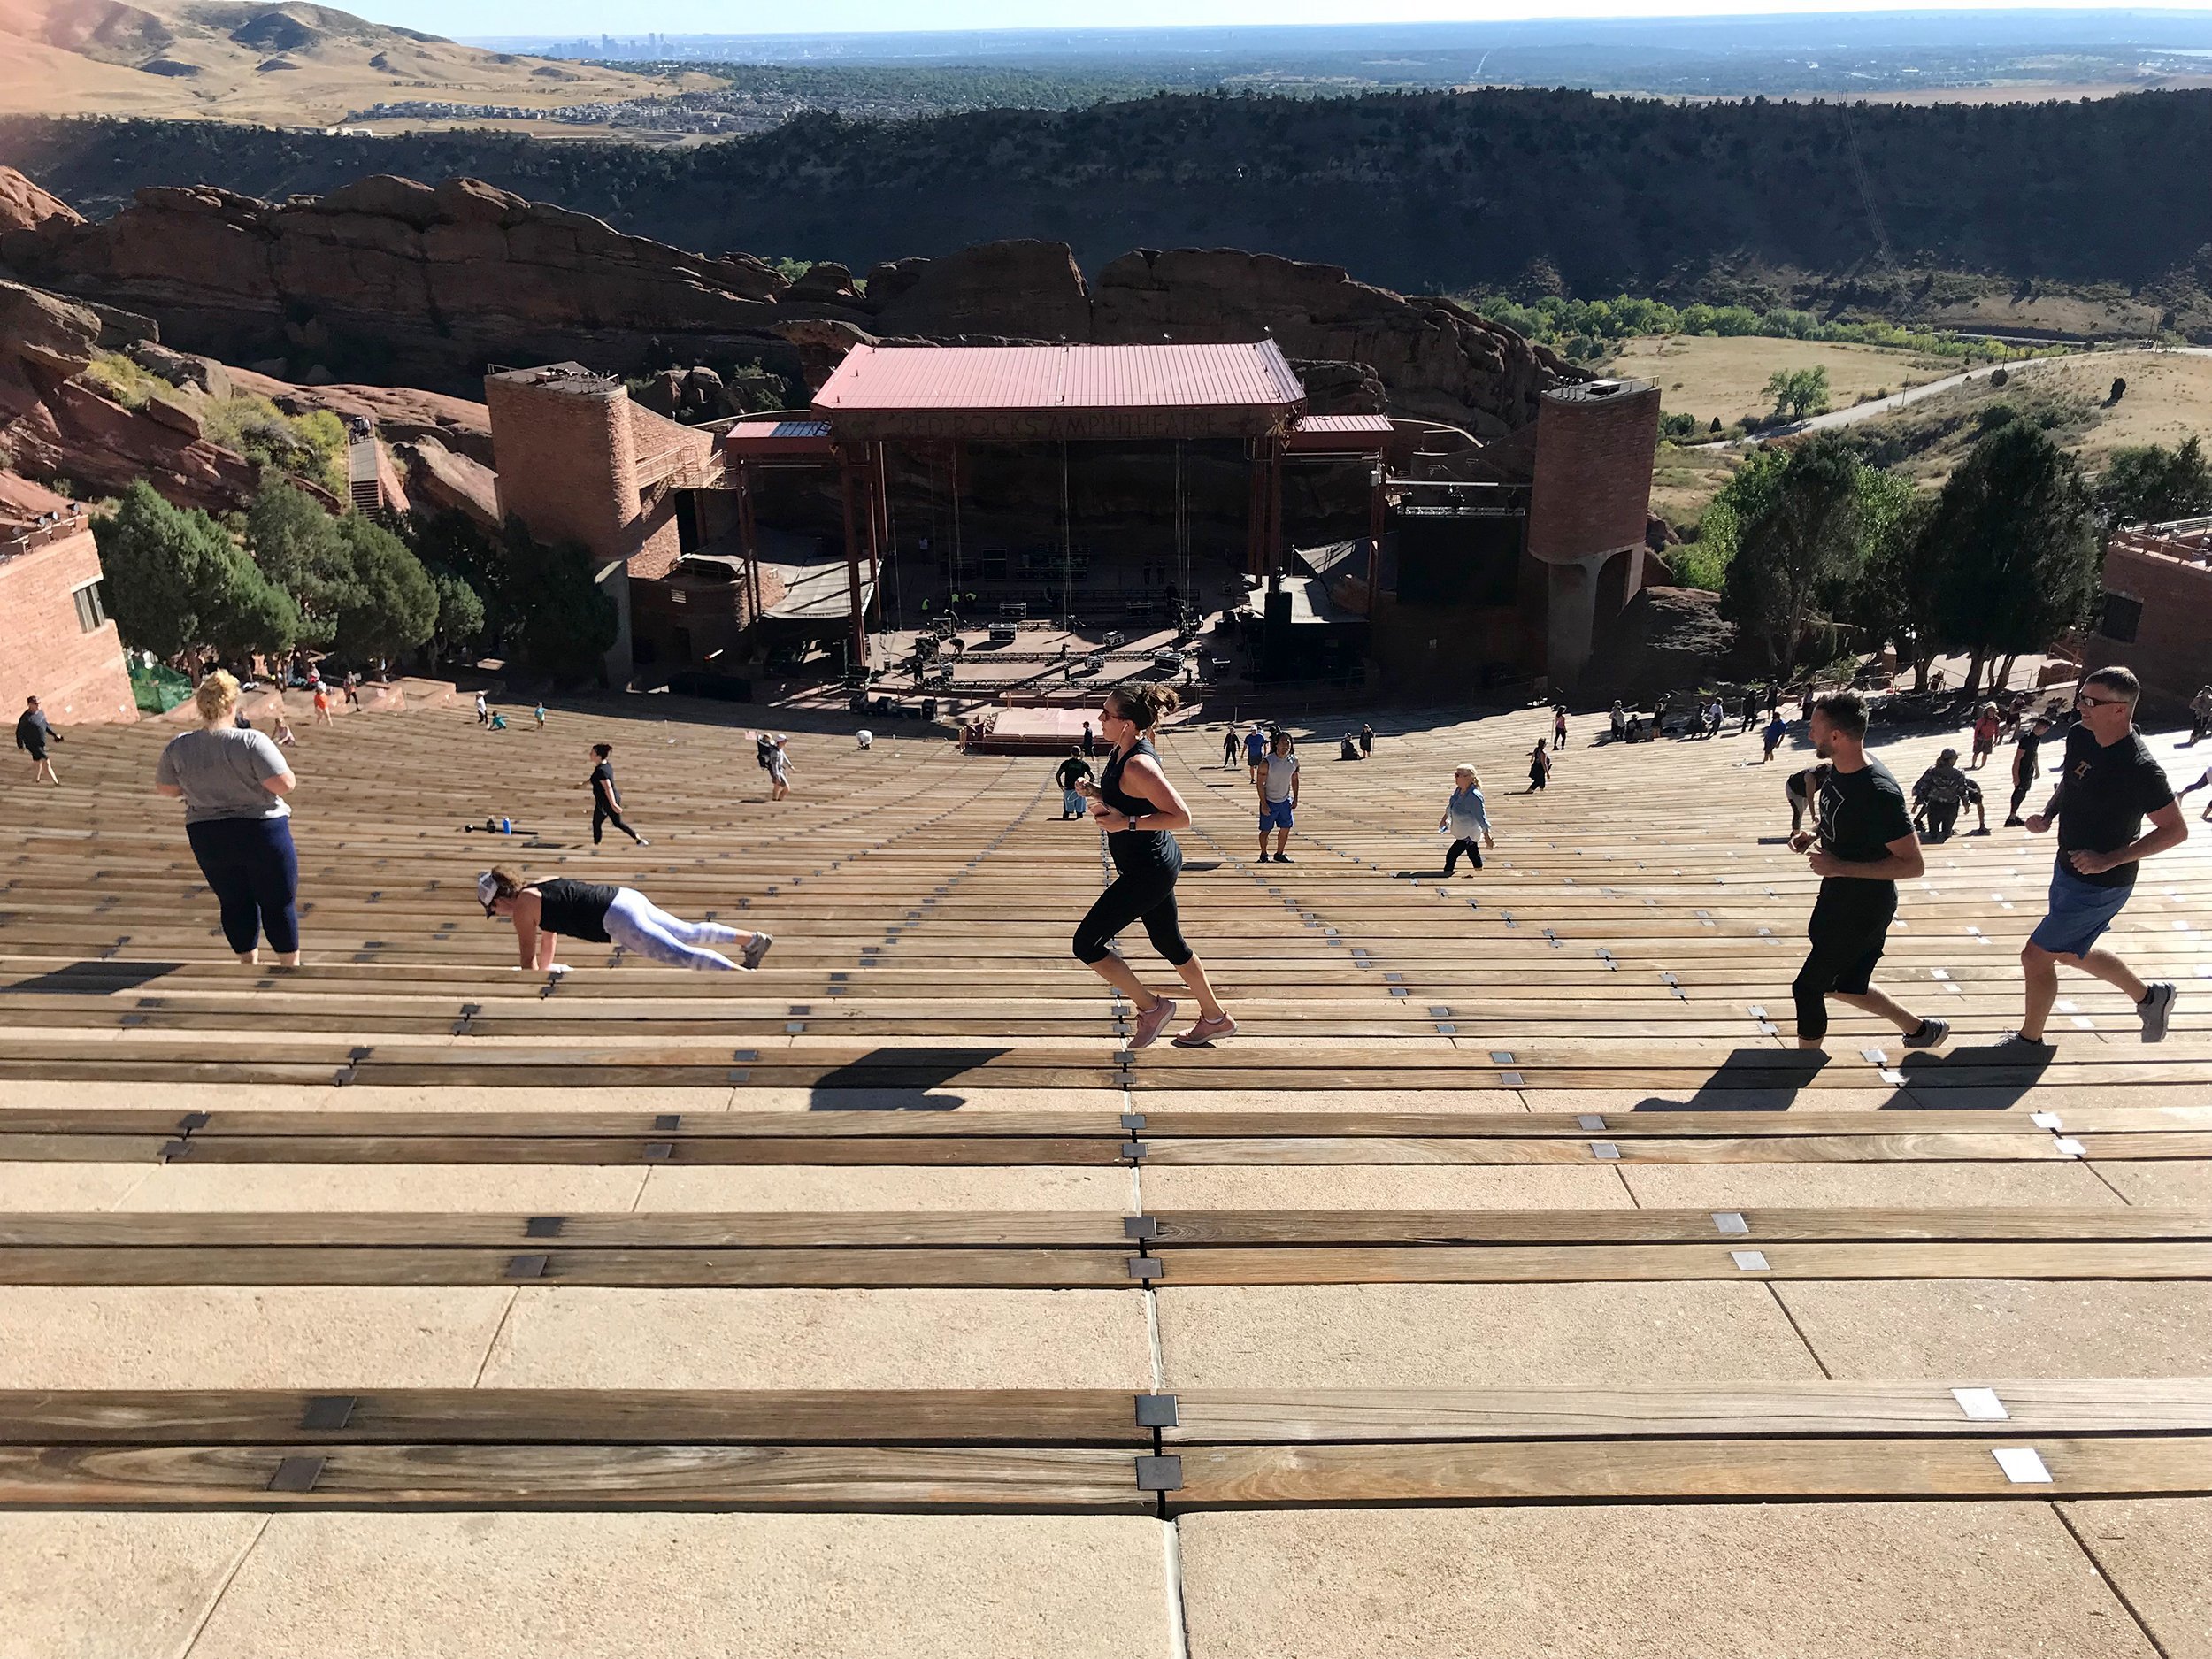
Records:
x=1024, y=392
x=1339, y=435
x=755, y=439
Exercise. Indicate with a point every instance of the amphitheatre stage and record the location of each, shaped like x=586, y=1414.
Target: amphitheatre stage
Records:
x=1510, y=1286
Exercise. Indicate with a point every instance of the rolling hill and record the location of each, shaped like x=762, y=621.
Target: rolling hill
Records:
x=291, y=64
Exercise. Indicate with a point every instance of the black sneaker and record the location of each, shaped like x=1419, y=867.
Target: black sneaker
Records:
x=2156, y=1006
x=1282, y=858
x=1931, y=1032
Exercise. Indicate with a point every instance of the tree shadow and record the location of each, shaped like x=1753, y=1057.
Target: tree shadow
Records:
x=1749, y=1079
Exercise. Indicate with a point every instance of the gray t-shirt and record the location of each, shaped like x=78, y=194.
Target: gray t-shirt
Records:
x=1280, y=770
x=221, y=771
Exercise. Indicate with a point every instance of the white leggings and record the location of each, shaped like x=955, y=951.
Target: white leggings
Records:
x=636, y=924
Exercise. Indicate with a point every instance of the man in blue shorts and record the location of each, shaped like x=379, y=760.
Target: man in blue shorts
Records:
x=1279, y=795
x=1255, y=751
x=2107, y=785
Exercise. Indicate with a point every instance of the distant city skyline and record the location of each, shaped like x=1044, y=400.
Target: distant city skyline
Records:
x=582, y=19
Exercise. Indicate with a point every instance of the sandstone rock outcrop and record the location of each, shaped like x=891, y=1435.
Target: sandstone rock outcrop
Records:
x=425, y=286
x=55, y=423
x=1438, y=360
x=392, y=281
x=24, y=206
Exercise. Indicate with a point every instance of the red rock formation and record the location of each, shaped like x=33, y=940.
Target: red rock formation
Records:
x=24, y=206
x=427, y=287
x=56, y=424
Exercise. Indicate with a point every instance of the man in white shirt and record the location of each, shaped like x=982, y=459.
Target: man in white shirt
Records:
x=1276, y=777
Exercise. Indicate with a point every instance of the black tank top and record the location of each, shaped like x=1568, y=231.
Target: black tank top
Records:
x=1133, y=846
x=575, y=909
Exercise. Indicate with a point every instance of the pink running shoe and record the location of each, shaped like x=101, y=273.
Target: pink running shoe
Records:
x=1201, y=1034
x=1149, y=1023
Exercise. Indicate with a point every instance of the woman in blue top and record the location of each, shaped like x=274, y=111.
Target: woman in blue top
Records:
x=1464, y=819
x=1138, y=810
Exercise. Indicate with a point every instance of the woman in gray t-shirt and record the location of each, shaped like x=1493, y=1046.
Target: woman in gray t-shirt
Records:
x=232, y=781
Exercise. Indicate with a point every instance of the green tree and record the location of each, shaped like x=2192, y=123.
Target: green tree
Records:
x=460, y=613
x=296, y=544
x=2015, y=548
x=1799, y=392
x=1813, y=520
x=389, y=605
x=2148, y=483
x=176, y=583
x=563, y=626
x=1892, y=601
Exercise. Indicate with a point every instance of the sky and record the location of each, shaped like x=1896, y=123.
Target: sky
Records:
x=475, y=19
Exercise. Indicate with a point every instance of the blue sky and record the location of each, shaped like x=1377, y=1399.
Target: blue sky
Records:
x=470, y=18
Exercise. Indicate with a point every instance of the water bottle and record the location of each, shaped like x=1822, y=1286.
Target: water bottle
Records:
x=506, y=826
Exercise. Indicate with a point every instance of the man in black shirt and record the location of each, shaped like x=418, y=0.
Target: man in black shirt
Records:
x=2027, y=765
x=606, y=801
x=32, y=735
x=1862, y=847
x=1073, y=770
x=2107, y=785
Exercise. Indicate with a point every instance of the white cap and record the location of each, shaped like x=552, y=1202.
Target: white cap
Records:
x=487, y=890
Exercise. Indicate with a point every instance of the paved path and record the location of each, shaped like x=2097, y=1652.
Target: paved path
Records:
x=1867, y=410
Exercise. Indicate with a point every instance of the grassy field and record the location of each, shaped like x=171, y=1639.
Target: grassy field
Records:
x=2168, y=399
x=1726, y=379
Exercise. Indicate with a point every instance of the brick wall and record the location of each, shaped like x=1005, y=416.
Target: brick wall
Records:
x=1594, y=456
x=566, y=458
x=2171, y=653
x=79, y=677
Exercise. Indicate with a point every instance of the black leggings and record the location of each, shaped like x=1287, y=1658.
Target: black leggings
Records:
x=2019, y=793
x=1464, y=844
x=602, y=815
x=1141, y=892
x=250, y=865
x=1849, y=930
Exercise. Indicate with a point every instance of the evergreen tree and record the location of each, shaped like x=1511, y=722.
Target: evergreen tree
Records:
x=2148, y=483
x=2014, y=542
x=176, y=583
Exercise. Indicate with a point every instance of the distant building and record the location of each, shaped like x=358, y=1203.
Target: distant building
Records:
x=55, y=641
x=2157, y=594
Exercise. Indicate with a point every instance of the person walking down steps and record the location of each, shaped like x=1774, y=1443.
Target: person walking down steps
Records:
x=545, y=912
x=1140, y=810
x=233, y=782
x=1465, y=818
x=606, y=800
x=32, y=735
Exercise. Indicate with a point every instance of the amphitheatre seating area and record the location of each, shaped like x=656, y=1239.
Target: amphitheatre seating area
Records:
x=1512, y=1285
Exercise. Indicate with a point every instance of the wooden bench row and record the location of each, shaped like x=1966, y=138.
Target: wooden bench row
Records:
x=1101, y=1452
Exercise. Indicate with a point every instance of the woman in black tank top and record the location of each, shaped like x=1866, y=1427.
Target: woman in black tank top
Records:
x=1138, y=810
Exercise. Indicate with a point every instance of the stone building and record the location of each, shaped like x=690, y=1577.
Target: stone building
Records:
x=55, y=641
x=579, y=461
x=1588, y=512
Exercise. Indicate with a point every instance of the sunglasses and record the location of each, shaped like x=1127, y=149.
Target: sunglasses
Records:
x=2093, y=703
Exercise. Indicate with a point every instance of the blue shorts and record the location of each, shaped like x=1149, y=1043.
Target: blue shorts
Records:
x=1274, y=815
x=1070, y=802
x=2080, y=911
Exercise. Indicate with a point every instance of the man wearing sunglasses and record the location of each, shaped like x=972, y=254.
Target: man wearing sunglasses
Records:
x=2107, y=785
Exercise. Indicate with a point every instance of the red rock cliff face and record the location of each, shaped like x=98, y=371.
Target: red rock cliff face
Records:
x=396, y=282
x=428, y=285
